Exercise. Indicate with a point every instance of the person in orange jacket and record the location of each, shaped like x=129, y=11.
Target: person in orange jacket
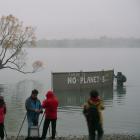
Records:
x=93, y=112
x=50, y=104
x=2, y=116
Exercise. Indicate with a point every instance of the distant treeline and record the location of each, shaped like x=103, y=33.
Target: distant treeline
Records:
x=90, y=43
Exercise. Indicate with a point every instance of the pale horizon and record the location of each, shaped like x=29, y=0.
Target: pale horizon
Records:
x=98, y=38
x=77, y=19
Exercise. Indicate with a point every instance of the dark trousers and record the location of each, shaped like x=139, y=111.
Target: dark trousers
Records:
x=1, y=130
x=46, y=126
x=93, y=129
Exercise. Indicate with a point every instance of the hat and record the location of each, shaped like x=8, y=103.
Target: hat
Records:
x=94, y=93
x=34, y=91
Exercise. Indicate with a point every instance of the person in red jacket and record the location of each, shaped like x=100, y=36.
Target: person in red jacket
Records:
x=50, y=104
x=2, y=116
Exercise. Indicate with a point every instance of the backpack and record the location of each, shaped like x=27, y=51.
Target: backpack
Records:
x=92, y=114
x=124, y=78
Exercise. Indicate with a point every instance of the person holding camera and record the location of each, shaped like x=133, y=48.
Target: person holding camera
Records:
x=34, y=108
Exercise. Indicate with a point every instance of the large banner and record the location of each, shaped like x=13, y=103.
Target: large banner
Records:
x=82, y=80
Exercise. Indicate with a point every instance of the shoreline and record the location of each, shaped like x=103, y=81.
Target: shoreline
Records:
x=105, y=137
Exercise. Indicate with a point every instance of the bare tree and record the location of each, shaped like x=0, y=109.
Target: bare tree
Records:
x=13, y=37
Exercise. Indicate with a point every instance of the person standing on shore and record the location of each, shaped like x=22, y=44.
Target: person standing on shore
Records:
x=50, y=104
x=2, y=116
x=34, y=108
x=92, y=110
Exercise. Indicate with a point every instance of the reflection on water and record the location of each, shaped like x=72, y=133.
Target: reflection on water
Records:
x=1, y=88
x=121, y=90
x=77, y=98
x=120, y=94
x=122, y=105
x=70, y=111
x=15, y=96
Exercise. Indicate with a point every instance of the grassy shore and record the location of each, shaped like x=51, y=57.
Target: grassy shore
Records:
x=106, y=137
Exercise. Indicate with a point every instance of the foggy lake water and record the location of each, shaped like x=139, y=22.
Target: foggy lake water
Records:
x=122, y=105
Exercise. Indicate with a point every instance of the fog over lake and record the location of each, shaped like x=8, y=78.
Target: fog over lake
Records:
x=122, y=105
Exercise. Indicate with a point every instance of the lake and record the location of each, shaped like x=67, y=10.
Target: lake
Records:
x=122, y=105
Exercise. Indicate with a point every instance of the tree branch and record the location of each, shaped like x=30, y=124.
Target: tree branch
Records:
x=13, y=37
x=18, y=70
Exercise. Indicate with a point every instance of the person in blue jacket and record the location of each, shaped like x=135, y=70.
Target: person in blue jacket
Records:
x=33, y=107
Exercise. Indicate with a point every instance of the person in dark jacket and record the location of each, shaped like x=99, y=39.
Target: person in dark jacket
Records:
x=50, y=104
x=120, y=79
x=34, y=108
x=94, y=124
x=2, y=116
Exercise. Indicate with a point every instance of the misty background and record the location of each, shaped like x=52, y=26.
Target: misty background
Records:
x=76, y=19
x=77, y=23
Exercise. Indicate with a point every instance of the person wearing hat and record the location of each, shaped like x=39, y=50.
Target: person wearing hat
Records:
x=34, y=108
x=2, y=116
x=92, y=110
x=50, y=104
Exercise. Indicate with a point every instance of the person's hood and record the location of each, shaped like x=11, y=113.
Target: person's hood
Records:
x=50, y=94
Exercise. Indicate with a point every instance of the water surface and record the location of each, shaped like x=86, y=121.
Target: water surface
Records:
x=122, y=105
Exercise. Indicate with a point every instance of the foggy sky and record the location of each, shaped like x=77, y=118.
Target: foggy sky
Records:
x=56, y=19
